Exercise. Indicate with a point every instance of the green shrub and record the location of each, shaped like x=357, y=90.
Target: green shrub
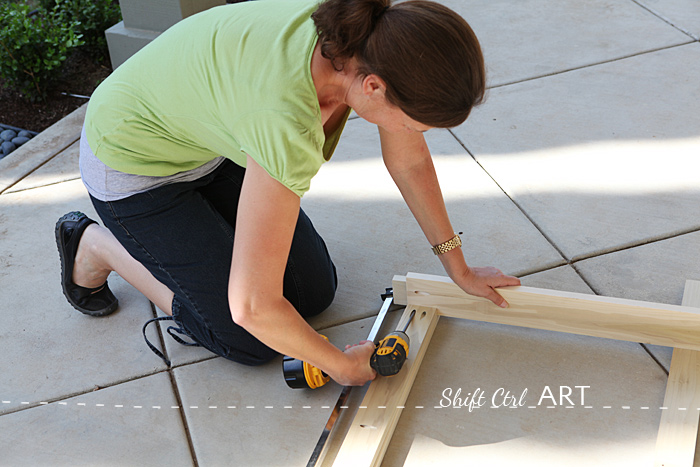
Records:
x=93, y=18
x=33, y=47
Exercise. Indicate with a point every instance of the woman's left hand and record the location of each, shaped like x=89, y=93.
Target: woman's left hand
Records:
x=482, y=282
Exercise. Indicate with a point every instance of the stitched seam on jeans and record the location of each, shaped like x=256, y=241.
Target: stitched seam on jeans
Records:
x=228, y=230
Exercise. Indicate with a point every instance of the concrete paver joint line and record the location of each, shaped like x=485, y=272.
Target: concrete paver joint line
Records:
x=691, y=40
x=667, y=20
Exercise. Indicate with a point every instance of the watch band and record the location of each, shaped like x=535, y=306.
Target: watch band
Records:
x=451, y=244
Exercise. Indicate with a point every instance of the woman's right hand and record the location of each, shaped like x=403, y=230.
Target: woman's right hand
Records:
x=357, y=370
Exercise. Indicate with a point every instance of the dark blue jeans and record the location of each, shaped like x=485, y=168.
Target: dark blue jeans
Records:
x=183, y=233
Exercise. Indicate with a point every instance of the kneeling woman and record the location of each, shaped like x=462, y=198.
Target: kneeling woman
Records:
x=196, y=152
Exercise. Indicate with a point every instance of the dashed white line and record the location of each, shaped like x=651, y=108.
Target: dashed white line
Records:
x=83, y=404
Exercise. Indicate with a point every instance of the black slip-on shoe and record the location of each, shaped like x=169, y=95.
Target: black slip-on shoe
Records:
x=99, y=301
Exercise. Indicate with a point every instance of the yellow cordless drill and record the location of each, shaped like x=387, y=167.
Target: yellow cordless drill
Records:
x=387, y=360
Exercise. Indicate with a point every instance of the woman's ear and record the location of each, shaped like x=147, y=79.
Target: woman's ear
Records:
x=373, y=86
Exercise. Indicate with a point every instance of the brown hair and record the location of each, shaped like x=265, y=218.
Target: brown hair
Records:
x=427, y=55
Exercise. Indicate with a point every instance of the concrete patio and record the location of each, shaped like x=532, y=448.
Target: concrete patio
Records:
x=580, y=172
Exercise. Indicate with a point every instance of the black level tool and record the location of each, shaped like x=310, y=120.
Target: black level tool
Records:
x=391, y=351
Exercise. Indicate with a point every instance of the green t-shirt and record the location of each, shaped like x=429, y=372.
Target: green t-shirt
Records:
x=230, y=81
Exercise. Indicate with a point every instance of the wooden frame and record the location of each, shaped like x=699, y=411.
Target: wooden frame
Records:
x=651, y=323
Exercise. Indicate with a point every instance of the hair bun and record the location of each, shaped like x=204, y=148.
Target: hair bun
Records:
x=346, y=25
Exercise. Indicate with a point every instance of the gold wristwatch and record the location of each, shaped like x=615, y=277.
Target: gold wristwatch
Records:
x=451, y=244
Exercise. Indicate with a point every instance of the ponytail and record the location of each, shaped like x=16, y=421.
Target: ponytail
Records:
x=428, y=56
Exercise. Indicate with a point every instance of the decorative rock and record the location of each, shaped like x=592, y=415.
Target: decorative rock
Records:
x=7, y=147
x=19, y=141
x=11, y=138
x=8, y=135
